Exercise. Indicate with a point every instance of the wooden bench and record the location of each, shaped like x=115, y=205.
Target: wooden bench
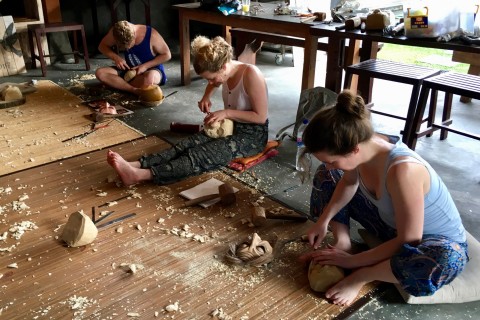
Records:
x=397, y=72
x=451, y=83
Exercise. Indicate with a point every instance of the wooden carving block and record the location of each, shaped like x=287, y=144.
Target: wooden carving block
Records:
x=322, y=277
x=79, y=230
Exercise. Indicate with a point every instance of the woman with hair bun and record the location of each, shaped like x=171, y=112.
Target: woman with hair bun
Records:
x=393, y=193
x=244, y=93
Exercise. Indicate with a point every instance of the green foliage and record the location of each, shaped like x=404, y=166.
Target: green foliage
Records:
x=419, y=56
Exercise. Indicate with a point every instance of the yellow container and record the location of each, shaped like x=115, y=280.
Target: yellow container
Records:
x=430, y=19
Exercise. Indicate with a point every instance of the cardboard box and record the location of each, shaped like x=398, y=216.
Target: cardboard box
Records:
x=11, y=55
x=430, y=19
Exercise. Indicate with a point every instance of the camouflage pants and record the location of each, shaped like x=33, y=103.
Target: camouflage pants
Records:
x=200, y=153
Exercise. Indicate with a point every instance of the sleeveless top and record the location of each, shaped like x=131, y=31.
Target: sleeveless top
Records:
x=441, y=216
x=236, y=98
x=141, y=53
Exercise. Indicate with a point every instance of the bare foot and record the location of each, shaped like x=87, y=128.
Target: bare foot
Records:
x=345, y=291
x=128, y=172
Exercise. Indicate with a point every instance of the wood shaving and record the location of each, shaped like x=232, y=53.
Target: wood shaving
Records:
x=19, y=206
x=18, y=229
x=220, y=314
x=5, y=190
x=79, y=305
x=8, y=249
x=131, y=267
x=172, y=307
x=133, y=314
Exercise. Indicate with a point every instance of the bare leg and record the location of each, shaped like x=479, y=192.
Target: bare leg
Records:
x=345, y=291
x=129, y=172
x=147, y=78
x=341, y=234
x=248, y=54
x=109, y=76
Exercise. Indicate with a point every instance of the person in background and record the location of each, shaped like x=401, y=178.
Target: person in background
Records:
x=245, y=98
x=145, y=51
x=393, y=193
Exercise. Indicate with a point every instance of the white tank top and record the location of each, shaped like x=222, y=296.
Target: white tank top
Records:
x=236, y=98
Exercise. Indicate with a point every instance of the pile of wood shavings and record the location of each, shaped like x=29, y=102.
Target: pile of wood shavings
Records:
x=184, y=232
x=236, y=274
x=18, y=229
x=220, y=314
x=79, y=305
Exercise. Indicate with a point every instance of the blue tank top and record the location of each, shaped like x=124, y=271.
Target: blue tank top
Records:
x=441, y=216
x=141, y=53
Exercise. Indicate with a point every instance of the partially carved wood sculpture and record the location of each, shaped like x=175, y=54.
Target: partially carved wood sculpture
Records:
x=219, y=129
x=129, y=75
x=79, y=230
x=322, y=277
x=151, y=95
x=256, y=252
x=11, y=93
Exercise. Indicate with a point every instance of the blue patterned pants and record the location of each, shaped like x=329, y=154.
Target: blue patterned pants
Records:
x=421, y=270
x=199, y=153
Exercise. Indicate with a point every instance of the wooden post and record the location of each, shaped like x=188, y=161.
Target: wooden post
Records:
x=473, y=60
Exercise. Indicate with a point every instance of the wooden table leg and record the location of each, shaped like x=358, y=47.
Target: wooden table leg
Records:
x=333, y=76
x=369, y=51
x=352, y=56
x=475, y=70
x=309, y=61
x=184, y=32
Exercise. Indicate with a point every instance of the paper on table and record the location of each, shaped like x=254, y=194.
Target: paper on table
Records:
x=205, y=188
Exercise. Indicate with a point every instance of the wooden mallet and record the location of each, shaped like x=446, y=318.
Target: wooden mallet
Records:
x=259, y=217
x=226, y=193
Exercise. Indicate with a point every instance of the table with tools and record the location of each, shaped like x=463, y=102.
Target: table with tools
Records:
x=263, y=20
x=370, y=41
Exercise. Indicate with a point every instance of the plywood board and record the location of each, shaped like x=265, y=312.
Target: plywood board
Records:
x=33, y=133
x=11, y=55
x=48, y=279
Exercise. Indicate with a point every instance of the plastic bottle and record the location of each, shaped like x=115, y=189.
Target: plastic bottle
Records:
x=300, y=145
x=467, y=17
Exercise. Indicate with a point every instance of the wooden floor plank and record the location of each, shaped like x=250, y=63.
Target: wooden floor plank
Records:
x=175, y=269
x=32, y=133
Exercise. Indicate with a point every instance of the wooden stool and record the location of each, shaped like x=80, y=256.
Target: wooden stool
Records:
x=397, y=72
x=451, y=83
x=38, y=30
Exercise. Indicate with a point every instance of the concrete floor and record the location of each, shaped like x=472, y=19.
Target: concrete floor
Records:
x=455, y=158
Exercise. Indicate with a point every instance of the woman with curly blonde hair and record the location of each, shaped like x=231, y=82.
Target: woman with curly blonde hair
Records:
x=244, y=93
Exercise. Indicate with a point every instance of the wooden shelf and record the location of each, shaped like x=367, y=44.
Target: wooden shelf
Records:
x=34, y=15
